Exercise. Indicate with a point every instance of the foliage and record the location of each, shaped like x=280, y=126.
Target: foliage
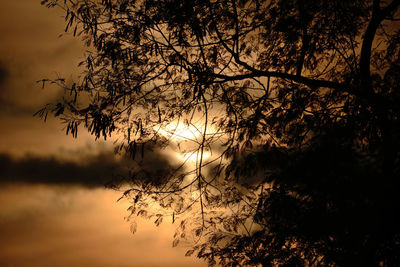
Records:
x=297, y=100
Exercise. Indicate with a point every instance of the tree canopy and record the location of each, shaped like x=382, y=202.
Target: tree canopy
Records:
x=294, y=117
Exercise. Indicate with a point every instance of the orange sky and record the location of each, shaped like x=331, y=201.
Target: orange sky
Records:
x=55, y=211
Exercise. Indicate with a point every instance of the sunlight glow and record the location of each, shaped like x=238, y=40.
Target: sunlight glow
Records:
x=180, y=132
x=186, y=139
x=193, y=157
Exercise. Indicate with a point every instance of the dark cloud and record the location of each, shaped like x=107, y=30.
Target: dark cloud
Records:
x=89, y=171
x=49, y=170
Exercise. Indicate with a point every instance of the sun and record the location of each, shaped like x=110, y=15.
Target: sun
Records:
x=187, y=139
x=181, y=132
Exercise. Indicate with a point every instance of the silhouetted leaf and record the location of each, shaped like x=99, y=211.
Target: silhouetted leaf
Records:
x=133, y=227
x=175, y=243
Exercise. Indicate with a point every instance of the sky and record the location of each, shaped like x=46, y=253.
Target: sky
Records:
x=55, y=210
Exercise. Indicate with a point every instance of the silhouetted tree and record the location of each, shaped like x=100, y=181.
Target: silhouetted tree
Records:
x=296, y=99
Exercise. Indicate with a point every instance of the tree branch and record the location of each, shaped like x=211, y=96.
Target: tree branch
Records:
x=377, y=17
x=273, y=74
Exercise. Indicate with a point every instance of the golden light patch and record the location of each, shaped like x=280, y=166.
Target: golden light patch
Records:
x=186, y=140
x=181, y=132
x=193, y=157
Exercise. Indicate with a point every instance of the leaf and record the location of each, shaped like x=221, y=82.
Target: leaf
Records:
x=133, y=227
x=189, y=253
x=175, y=243
x=158, y=221
x=198, y=231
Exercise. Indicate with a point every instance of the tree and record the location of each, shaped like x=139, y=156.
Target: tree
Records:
x=296, y=100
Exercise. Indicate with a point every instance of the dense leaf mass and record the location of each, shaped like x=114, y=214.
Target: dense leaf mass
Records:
x=296, y=100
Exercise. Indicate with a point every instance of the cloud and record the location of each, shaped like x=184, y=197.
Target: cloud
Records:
x=86, y=170
x=49, y=170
